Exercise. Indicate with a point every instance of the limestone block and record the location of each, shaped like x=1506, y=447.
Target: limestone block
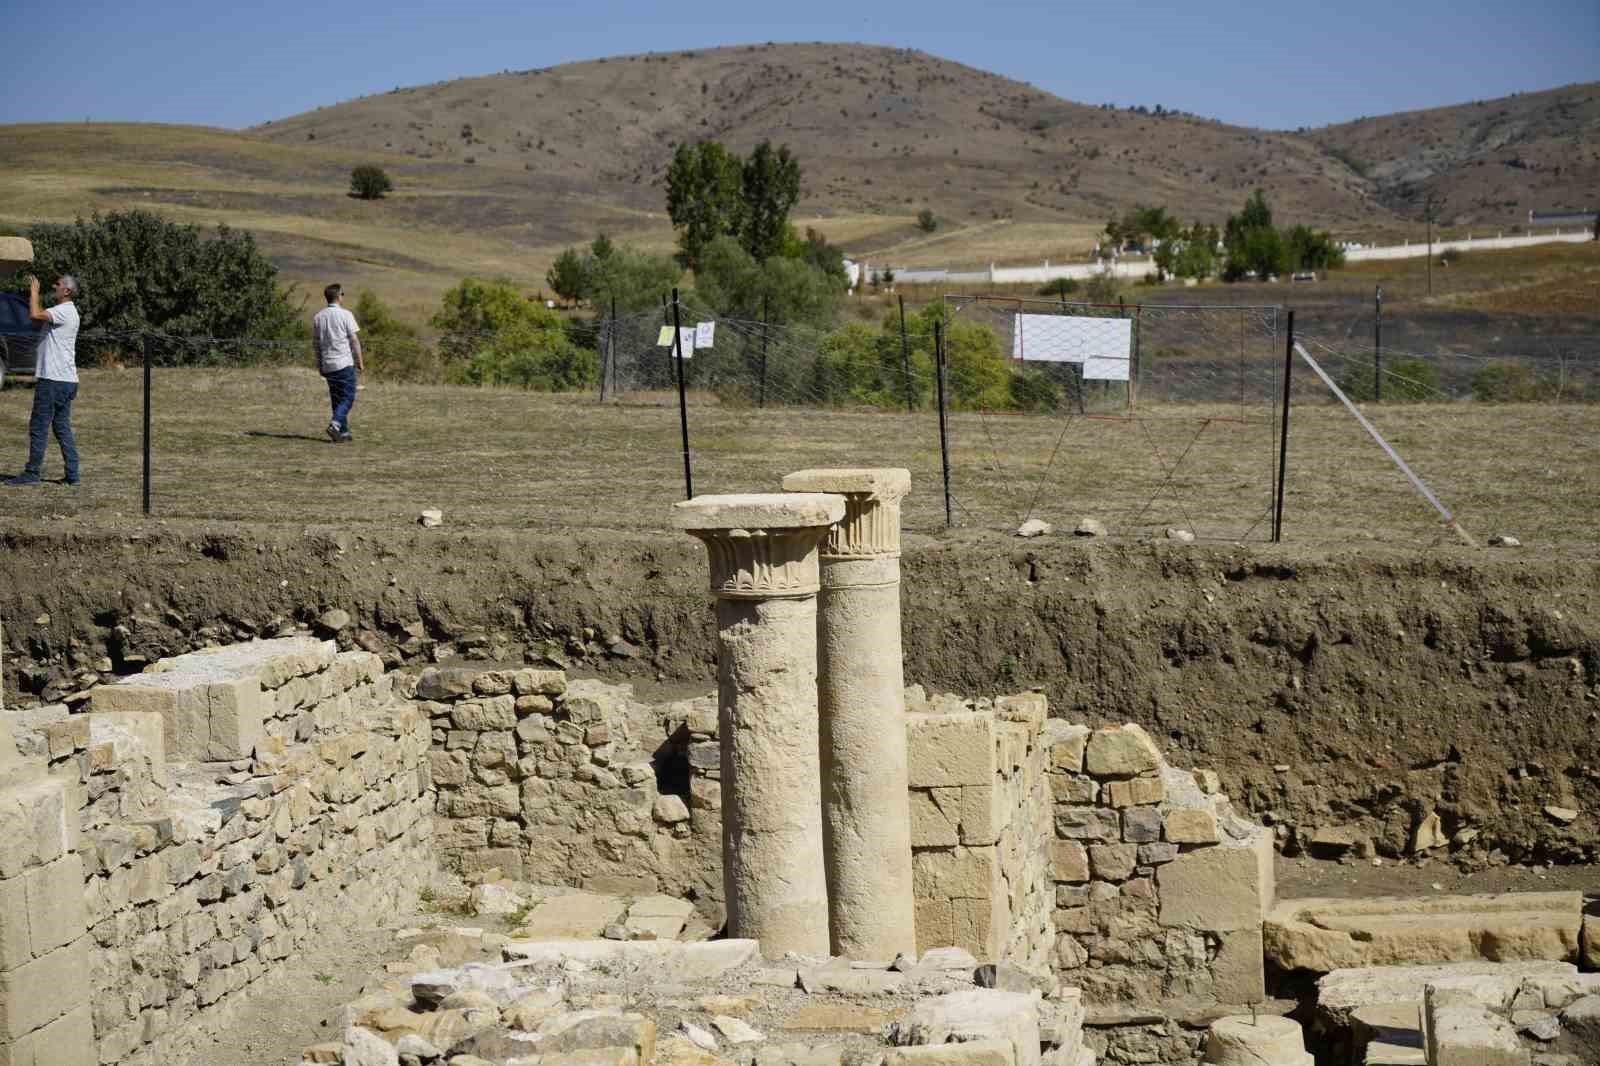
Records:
x=1340, y=992
x=956, y=873
x=1065, y=743
x=15, y=253
x=1121, y=751
x=67, y=1041
x=1265, y=1040
x=539, y=682
x=1591, y=939
x=1329, y=934
x=36, y=994
x=1069, y=861
x=1238, y=972
x=1460, y=1031
x=1191, y=826
x=33, y=824
x=489, y=713
x=982, y=814
x=935, y=923
x=132, y=734
x=445, y=683
x=982, y=926
x=205, y=714
x=1087, y=823
x=934, y=825
x=974, y=1015
x=950, y=749
x=1135, y=792
x=1113, y=862
x=1142, y=825
x=1074, y=788
x=54, y=904
x=973, y=1053
x=1217, y=889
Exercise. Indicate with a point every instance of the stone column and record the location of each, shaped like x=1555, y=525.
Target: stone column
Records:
x=861, y=690
x=763, y=551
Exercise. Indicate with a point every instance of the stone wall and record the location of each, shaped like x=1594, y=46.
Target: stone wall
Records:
x=560, y=783
x=980, y=825
x=1160, y=890
x=192, y=880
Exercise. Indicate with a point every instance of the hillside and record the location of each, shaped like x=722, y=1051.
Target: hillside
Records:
x=496, y=175
x=879, y=130
x=1490, y=160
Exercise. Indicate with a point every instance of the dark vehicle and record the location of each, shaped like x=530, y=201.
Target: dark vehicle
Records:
x=18, y=337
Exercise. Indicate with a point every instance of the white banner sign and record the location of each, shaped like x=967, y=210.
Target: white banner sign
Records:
x=685, y=338
x=1103, y=346
x=704, y=333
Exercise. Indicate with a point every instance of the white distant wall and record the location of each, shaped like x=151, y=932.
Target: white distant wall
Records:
x=1140, y=267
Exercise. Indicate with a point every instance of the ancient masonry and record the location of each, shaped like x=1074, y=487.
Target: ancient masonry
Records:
x=913, y=880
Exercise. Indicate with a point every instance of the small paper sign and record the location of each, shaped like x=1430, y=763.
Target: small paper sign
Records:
x=704, y=333
x=687, y=335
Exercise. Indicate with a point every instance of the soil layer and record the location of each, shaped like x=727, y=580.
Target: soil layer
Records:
x=1343, y=697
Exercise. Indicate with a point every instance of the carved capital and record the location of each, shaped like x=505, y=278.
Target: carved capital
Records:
x=870, y=527
x=763, y=564
x=762, y=546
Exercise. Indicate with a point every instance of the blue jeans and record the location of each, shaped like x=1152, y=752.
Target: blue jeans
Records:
x=52, y=409
x=342, y=395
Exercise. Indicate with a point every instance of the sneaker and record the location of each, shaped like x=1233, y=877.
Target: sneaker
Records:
x=346, y=437
x=71, y=482
x=23, y=479
x=333, y=432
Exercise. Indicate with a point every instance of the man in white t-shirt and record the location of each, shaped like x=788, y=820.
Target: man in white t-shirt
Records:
x=334, y=338
x=55, y=379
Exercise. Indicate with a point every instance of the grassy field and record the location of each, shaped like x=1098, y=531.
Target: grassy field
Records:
x=247, y=445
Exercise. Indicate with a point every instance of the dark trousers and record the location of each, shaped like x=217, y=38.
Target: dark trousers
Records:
x=52, y=409
x=342, y=395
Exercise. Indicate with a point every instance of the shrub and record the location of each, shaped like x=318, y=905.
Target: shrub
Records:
x=142, y=272
x=392, y=349
x=495, y=336
x=1405, y=380
x=927, y=222
x=1059, y=287
x=1505, y=382
x=368, y=182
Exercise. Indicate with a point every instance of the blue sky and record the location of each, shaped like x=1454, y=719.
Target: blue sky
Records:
x=1276, y=65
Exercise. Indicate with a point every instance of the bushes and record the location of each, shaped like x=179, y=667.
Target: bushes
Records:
x=493, y=335
x=141, y=272
x=1405, y=380
x=1509, y=383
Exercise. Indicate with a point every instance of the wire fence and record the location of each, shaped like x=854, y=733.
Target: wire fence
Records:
x=1147, y=418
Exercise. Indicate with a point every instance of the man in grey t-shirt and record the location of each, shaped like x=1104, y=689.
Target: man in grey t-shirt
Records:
x=55, y=379
x=334, y=338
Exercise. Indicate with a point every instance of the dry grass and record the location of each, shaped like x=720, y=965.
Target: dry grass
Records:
x=246, y=445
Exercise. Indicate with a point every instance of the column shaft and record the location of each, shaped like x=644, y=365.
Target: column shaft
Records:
x=771, y=795
x=866, y=824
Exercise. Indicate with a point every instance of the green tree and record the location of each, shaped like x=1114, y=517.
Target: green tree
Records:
x=566, y=276
x=703, y=197
x=770, y=187
x=493, y=335
x=628, y=278
x=1310, y=249
x=927, y=222
x=368, y=182
x=392, y=348
x=787, y=290
x=601, y=247
x=142, y=272
x=1251, y=243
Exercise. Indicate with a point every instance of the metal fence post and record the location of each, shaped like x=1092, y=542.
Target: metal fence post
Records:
x=765, y=327
x=1377, y=345
x=1283, y=435
x=683, y=403
x=905, y=354
x=944, y=429
x=144, y=346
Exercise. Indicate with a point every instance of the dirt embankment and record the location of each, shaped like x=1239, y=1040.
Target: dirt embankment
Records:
x=1359, y=692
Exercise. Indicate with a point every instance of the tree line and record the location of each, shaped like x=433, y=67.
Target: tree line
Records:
x=1247, y=245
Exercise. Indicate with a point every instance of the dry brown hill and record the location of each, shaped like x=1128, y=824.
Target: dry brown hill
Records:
x=878, y=130
x=1491, y=160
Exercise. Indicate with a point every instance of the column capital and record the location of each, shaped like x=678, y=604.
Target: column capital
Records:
x=762, y=545
x=871, y=523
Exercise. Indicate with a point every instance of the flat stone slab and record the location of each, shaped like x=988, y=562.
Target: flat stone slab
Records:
x=891, y=481
x=663, y=916
x=1342, y=992
x=1388, y=1034
x=1323, y=935
x=668, y=960
x=580, y=914
x=980, y=1014
x=759, y=510
x=271, y=661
